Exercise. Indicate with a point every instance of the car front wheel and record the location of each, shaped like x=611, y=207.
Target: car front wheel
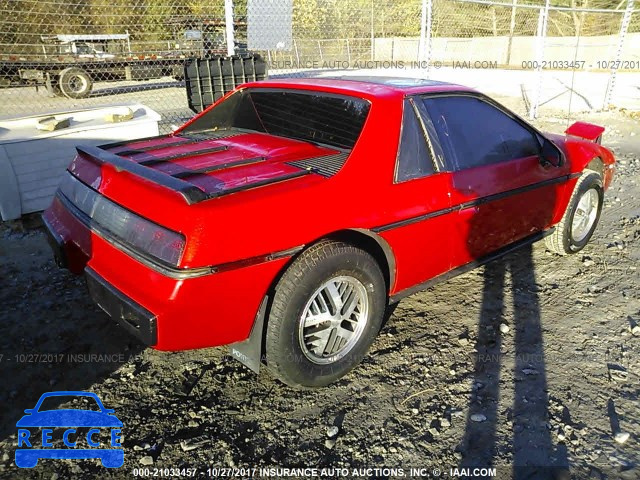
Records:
x=581, y=217
x=327, y=310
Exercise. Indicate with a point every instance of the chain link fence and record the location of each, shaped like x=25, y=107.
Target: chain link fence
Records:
x=58, y=55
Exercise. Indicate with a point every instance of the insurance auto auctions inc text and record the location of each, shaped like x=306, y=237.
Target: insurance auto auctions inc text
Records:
x=380, y=64
x=363, y=472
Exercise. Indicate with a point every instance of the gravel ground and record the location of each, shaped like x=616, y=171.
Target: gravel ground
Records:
x=532, y=360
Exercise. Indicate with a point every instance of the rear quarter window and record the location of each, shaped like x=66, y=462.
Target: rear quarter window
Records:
x=414, y=159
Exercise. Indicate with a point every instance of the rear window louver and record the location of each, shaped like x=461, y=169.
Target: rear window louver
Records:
x=327, y=165
x=211, y=134
x=180, y=141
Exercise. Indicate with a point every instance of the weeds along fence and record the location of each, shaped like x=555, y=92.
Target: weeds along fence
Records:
x=582, y=57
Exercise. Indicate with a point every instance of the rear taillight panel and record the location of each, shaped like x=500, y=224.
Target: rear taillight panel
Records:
x=122, y=225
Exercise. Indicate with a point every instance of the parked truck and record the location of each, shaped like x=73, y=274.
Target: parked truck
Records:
x=69, y=64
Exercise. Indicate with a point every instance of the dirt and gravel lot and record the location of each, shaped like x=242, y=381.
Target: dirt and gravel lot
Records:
x=530, y=364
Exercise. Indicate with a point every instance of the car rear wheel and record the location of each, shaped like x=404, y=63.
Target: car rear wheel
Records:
x=581, y=217
x=327, y=310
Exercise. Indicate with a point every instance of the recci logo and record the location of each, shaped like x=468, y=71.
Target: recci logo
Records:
x=70, y=427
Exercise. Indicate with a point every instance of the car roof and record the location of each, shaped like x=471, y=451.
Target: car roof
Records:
x=396, y=82
x=363, y=85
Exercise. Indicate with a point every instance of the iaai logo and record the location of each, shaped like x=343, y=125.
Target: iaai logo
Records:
x=84, y=433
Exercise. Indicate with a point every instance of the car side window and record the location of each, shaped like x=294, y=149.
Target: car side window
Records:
x=414, y=159
x=474, y=133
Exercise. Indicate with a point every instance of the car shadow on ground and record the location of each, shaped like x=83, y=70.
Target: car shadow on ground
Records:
x=532, y=450
x=52, y=336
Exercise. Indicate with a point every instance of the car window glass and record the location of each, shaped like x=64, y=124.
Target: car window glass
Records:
x=335, y=120
x=414, y=158
x=474, y=133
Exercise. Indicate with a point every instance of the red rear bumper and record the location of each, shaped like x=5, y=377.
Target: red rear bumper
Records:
x=164, y=312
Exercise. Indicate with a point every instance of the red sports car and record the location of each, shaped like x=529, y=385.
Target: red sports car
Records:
x=287, y=217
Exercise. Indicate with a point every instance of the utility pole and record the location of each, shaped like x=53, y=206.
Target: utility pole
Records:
x=422, y=46
x=228, y=17
x=512, y=27
x=373, y=39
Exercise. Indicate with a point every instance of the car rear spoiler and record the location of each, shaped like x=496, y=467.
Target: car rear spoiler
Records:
x=588, y=131
x=189, y=191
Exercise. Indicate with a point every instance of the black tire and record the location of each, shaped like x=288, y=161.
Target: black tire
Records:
x=75, y=83
x=561, y=241
x=286, y=356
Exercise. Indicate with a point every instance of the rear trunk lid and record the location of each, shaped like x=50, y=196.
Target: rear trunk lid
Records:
x=206, y=165
x=174, y=180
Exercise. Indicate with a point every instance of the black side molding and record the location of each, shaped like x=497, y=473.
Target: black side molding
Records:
x=477, y=201
x=189, y=192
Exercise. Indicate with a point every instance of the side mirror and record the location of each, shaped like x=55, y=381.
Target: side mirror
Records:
x=29, y=411
x=550, y=155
